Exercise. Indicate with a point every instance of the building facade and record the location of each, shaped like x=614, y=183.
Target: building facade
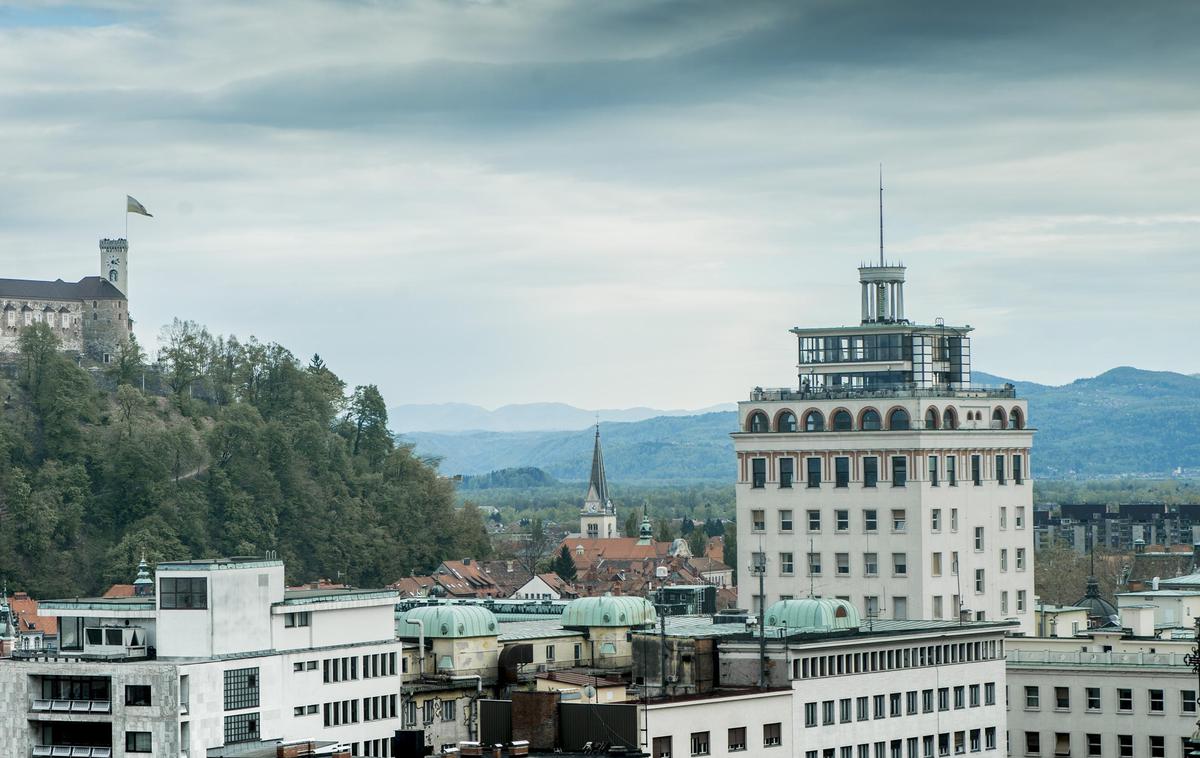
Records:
x=887, y=478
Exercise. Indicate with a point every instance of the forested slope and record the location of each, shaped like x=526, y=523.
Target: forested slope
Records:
x=248, y=450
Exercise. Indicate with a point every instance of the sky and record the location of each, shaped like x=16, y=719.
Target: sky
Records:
x=614, y=204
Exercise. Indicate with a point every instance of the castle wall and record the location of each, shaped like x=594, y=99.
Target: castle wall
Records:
x=106, y=326
x=14, y=322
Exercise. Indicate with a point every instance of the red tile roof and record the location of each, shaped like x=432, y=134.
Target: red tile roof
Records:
x=24, y=610
x=119, y=590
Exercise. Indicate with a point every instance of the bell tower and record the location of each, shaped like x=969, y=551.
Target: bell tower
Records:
x=598, y=518
x=114, y=263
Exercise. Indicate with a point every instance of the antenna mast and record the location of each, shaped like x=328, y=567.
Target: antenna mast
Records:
x=881, y=214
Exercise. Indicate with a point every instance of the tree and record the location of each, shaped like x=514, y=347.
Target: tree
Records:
x=730, y=556
x=714, y=527
x=186, y=348
x=686, y=527
x=564, y=565
x=368, y=416
x=697, y=541
x=663, y=531
x=536, y=548
x=632, y=524
x=127, y=363
x=38, y=347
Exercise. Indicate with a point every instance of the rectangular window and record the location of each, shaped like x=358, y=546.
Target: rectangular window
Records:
x=879, y=707
x=841, y=471
x=954, y=519
x=926, y=701
x=841, y=521
x=549, y=652
x=894, y=705
x=1018, y=473
x=1003, y=518
x=1020, y=601
x=1124, y=699
x=814, y=521
x=1062, y=698
x=190, y=593
x=814, y=472
x=814, y=564
x=1000, y=478
x=786, y=564
x=863, y=708
x=772, y=734
x=899, y=520
x=787, y=471
x=975, y=746
x=737, y=738
x=827, y=712
x=1020, y=559
x=758, y=521
x=870, y=521
x=1062, y=743
x=910, y=702
x=979, y=583
x=137, y=694
x=973, y=695
x=241, y=688
x=845, y=710
x=871, y=564
x=977, y=470
x=1156, y=701
x=1019, y=517
x=448, y=709
x=1187, y=702
x=989, y=693
x=952, y=470
x=979, y=539
x=241, y=727
x=954, y=565
x=661, y=747
x=989, y=738
x=810, y=714
x=935, y=564
x=700, y=743
x=1093, y=698
x=870, y=471
x=842, y=561
x=1094, y=746
x=1033, y=743
x=943, y=695
x=1125, y=746
x=899, y=471
x=785, y=521
x=1003, y=559
x=1158, y=748
x=1032, y=698
x=938, y=610
x=935, y=520
x=137, y=742
x=1004, y=601
x=900, y=564
x=899, y=607
x=759, y=472
x=960, y=697
x=933, y=470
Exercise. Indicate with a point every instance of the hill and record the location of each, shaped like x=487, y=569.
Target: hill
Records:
x=525, y=417
x=1126, y=421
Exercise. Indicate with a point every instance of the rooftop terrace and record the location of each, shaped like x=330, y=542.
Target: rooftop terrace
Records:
x=760, y=394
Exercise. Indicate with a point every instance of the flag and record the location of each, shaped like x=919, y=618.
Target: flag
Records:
x=133, y=206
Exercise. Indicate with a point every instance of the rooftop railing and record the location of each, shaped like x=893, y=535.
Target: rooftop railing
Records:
x=899, y=390
x=71, y=751
x=1082, y=658
x=72, y=706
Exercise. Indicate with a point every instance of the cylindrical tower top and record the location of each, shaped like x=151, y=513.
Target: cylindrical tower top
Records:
x=882, y=293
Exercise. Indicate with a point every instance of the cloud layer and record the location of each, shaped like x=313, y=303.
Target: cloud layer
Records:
x=619, y=203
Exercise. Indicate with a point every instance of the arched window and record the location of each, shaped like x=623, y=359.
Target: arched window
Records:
x=950, y=419
x=898, y=419
x=998, y=419
x=815, y=422
x=1014, y=419
x=931, y=418
x=871, y=421
x=842, y=422
x=787, y=422
x=758, y=422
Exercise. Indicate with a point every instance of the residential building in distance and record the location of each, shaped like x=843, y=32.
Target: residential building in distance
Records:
x=886, y=477
x=1119, y=526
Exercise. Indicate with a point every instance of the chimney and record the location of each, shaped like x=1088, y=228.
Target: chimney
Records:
x=1154, y=584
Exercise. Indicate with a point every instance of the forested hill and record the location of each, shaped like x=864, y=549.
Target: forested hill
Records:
x=247, y=450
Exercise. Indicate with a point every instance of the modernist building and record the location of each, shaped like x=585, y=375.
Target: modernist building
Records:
x=222, y=654
x=887, y=478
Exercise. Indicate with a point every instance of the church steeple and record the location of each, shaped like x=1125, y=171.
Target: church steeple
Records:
x=598, y=519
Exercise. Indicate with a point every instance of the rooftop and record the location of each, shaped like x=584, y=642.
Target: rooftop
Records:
x=759, y=394
x=533, y=630
x=208, y=564
x=1033, y=658
x=333, y=594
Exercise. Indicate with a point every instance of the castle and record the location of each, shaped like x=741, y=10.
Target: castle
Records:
x=90, y=317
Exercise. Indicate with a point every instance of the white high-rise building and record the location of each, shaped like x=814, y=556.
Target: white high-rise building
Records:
x=885, y=477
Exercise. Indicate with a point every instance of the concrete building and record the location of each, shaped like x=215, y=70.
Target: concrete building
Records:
x=887, y=478
x=221, y=654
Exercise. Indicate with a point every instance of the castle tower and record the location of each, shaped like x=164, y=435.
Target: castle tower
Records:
x=114, y=263
x=598, y=519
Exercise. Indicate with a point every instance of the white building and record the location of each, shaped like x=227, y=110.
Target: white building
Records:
x=222, y=654
x=886, y=478
x=1105, y=694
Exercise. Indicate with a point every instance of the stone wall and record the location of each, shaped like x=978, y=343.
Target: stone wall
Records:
x=13, y=321
x=106, y=326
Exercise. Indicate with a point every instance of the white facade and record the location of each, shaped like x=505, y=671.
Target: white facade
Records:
x=227, y=657
x=886, y=479
x=1100, y=696
x=758, y=723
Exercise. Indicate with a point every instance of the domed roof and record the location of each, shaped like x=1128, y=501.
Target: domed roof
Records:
x=609, y=610
x=1100, y=611
x=819, y=614
x=448, y=621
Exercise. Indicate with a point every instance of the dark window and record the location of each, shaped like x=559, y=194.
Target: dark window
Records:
x=870, y=420
x=977, y=470
x=137, y=694
x=814, y=422
x=931, y=419
x=241, y=727
x=952, y=470
x=137, y=742
x=870, y=471
x=241, y=689
x=759, y=469
x=787, y=422
x=786, y=472
x=75, y=688
x=1018, y=474
x=183, y=593
x=933, y=471
x=842, y=421
x=841, y=468
x=898, y=419
x=1014, y=419
x=758, y=422
x=814, y=472
x=1000, y=478
x=899, y=471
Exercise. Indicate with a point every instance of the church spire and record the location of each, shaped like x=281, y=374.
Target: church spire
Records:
x=598, y=482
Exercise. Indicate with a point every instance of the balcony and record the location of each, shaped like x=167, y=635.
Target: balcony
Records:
x=788, y=394
x=72, y=706
x=71, y=751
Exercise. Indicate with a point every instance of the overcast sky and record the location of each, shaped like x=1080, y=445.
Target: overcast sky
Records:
x=615, y=203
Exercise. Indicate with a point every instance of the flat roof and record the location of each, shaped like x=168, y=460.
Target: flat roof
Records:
x=308, y=597
x=236, y=561
x=533, y=630
x=879, y=327
x=99, y=604
x=706, y=627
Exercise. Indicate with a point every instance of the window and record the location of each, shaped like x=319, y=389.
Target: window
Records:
x=786, y=564
x=241, y=688
x=935, y=519
x=549, y=652
x=899, y=520
x=1062, y=743
x=926, y=701
x=814, y=422
x=1032, y=697
x=758, y=521
x=189, y=593
x=974, y=740
x=1062, y=698
x=1003, y=559
x=1125, y=745
x=973, y=693
x=296, y=619
x=787, y=422
x=1124, y=699
x=137, y=742
x=871, y=605
x=951, y=470
x=810, y=714
x=989, y=738
x=772, y=734
x=1093, y=698
x=814, y=564
x=1020, y=559
x=954, y=564
x=241, y=727
x=871, y=421
x=842, y=422
x=870, y=471
x=841, y=521
x=845, y=710
x=814, y=521
x=899, y=470
x=787, y=470
x=661, y=747
x=979, y=583
x=448, y=709
x=1018, y=474
x=989, y=693
x=758, y=560
x=938, y=610
x=899, y=607
x=137, y=694
x=758, y=422
x=977, y=470
x=1156, y=701
x=576, y=650
x=943, y=695
x=960, y=697
x=935, y=564
x=785, y=521
x=842, y=560
x=910, y=702
x=879, y=707
x=814, y=472
x=841, y=471
x=1000, y=478
x=871, y=564
x=1187, y=701
x=898, y=419
x=900, y=564
x=870, y=520
x=1020, y=601
x=954, y=519
x=827, y=712
x=863, y=708
x=1094, y=745
x=758, y=468
x=894, y=705
x=1033, y=743
x=1003, y=517
x=737, y=738
x=1158, y=747
x=1019, y=517
x=933, y=470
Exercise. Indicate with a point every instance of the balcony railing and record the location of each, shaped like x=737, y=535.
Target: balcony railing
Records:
x=71, y=751
x=72, y=706
x=899, y=390
x=1082, y=658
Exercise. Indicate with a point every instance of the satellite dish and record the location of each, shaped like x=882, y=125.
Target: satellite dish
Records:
x=589, y=692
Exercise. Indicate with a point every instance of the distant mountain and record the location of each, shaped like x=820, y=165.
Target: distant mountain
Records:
x=525, y=417
x=1123, y=422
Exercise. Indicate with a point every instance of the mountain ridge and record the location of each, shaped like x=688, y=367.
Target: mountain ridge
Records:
x=522, y=417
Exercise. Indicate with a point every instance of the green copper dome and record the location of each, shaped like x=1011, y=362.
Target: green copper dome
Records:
x=818, y=614
x=609, y=610
x=448, y=622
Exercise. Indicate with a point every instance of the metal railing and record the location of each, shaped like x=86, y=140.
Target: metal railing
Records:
x=71, y=706
x=1082, y=658
x=71, y=751
x=899, y=390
